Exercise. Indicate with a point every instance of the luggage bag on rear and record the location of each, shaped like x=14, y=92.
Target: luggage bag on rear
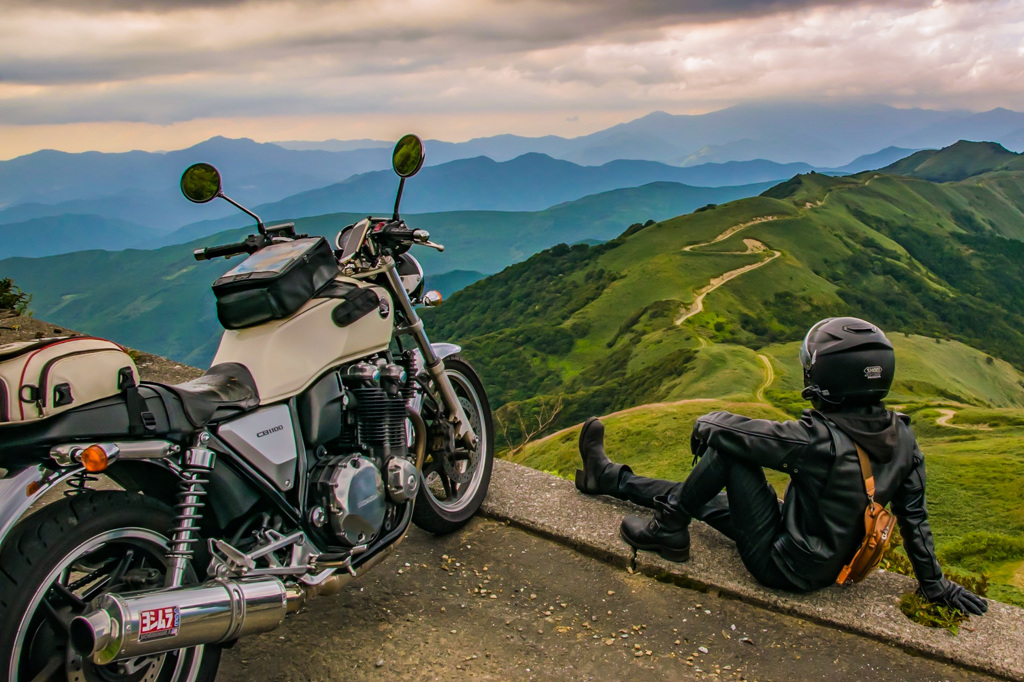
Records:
x=39, y=379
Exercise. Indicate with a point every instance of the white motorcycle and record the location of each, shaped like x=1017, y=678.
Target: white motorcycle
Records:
x=326, y=425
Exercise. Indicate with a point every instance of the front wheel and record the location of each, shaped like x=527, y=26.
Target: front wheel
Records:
x=57, y=561
x=455, y=480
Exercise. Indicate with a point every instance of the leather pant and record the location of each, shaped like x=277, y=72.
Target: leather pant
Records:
x=747, y=512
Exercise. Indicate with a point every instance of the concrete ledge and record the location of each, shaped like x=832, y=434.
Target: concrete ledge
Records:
x=552, y=507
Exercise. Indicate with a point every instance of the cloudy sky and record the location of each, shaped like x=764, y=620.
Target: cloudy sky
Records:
x=162, y=74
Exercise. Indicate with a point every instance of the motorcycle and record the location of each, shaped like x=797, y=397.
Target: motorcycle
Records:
x=326, y=426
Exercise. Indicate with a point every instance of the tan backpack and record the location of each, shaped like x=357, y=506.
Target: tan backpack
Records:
x=42, y=378
x=878, y=525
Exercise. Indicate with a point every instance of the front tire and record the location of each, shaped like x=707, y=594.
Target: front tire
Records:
x=57, y=560
x=454, y=483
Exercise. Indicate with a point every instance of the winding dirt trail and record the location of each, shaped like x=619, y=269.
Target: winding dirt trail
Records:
x=769, y=377
x=753, y=246
x=948, y=414
x=731, y=231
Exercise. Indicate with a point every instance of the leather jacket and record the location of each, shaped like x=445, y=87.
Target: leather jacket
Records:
x=823, y=510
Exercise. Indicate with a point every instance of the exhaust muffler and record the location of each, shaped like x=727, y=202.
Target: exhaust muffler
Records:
x=152, y=622
x=126, y=626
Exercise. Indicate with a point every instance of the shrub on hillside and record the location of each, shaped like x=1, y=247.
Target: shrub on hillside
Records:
x=13, y=301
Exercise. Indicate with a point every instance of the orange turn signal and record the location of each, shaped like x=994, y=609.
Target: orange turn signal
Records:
x=97, y=458
x=432, y=299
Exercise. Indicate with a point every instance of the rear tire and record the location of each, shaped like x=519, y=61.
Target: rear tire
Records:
x=443, y=505
x=60, y=558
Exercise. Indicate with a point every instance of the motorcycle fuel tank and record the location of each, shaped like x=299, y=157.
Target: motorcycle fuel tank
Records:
x=286, y=356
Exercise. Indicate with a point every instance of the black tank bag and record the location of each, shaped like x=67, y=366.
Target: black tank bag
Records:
x=274, y=282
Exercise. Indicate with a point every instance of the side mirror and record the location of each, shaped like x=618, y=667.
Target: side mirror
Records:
x=407, y=158
x=200, y=183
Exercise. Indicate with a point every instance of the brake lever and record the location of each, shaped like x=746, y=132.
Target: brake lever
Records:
x=422, y=237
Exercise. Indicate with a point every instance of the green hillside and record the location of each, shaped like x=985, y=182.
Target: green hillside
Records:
x=957, y=162
x=655, y=313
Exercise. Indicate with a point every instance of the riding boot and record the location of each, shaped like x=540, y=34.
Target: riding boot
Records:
x=599, y=475
x=667, y=533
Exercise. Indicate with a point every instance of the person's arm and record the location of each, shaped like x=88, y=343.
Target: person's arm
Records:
x=771, y=444
x=912, y=513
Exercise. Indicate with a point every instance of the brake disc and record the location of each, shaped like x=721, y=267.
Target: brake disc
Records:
x=453, y=460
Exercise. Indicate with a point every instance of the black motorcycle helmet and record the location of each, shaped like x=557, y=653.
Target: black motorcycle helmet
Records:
x=846, y=361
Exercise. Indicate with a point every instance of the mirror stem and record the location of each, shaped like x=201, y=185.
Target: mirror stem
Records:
x=259, y=223
x=398, y=199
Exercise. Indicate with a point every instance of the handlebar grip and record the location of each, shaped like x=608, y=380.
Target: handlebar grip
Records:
x=211, y=252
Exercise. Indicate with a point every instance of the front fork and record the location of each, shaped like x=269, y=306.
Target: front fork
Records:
x=433, y=364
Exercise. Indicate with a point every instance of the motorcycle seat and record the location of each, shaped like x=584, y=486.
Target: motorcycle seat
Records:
x=173, y=412
x=225, y=390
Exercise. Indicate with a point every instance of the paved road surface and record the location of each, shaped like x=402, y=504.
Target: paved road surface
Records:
x=494, y=602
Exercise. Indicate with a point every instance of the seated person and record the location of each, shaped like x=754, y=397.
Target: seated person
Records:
x=803, y=542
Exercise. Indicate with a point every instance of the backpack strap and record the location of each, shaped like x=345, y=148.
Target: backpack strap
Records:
x=865, y=470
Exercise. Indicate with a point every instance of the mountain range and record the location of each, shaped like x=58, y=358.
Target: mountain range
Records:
x=735, y=146
x=822, y=135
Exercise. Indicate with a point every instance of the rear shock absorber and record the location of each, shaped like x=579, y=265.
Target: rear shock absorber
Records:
x=196, y=462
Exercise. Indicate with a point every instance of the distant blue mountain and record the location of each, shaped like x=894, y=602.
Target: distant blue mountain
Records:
x=531, y=182
x=142, y=187
x=822, y=135
x=67, y=233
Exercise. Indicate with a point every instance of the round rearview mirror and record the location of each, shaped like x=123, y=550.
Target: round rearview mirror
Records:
x=200, y=183
x=408, y=156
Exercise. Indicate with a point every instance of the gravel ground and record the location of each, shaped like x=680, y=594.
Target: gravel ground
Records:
x=494, y=602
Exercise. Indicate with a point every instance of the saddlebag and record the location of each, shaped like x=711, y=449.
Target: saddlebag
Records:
x=274, y=282
x=42, y=378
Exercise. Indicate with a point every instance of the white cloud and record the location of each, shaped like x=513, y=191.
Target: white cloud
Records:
x=172, y=62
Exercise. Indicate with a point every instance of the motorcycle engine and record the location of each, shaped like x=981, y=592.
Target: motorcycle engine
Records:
x=353, y=490
x=371, y=472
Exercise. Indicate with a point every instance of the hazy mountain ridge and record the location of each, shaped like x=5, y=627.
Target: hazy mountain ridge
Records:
x=98, y=183
x=140, y=187
x=66, y=233
x=821, y=135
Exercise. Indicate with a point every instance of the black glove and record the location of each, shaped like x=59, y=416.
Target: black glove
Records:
x=955, y=596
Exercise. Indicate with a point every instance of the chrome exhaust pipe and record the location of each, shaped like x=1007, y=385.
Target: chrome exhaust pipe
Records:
x=156, y=621
x=127, y=626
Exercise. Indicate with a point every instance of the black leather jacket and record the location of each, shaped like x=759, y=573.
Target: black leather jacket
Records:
x=823, y=510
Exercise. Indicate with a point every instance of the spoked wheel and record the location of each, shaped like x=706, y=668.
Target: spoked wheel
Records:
x=60, y=559
x=455, y=478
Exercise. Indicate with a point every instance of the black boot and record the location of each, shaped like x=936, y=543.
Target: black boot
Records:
x=667, y=533
x=599, y=475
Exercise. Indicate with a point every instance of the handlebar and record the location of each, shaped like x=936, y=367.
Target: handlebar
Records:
x=227, y=251
x=399, y=232
x=251, y=244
